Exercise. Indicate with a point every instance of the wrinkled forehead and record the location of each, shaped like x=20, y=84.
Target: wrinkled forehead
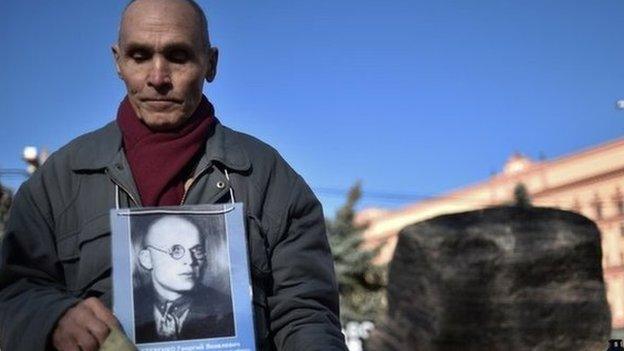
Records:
x=170, y=231
x=176, y=20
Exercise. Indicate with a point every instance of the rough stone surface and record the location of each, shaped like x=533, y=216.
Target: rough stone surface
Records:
x=504, y=278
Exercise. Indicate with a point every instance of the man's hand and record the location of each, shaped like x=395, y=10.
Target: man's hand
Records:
x=84, y=327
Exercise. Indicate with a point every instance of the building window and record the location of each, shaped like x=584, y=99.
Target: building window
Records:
x=597, y=205
x=618, y=201
x=598, y=208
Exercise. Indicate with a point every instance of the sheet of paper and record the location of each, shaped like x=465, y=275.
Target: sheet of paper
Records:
x=181, y=277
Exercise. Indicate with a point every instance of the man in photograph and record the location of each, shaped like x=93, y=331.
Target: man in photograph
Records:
x=166, y=147
x=176, y=305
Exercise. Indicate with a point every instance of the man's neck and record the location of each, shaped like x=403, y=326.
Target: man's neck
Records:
x=166, y=294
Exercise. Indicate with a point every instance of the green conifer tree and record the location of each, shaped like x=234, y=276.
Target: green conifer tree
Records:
x=5, y=204
x=360, y=282
x=521, y=196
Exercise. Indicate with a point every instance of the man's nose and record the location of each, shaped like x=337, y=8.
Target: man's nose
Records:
x=160, y=74
x=187, y=259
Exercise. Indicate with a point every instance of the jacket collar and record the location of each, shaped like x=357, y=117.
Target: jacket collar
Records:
x=222, y=147
x=98, y=150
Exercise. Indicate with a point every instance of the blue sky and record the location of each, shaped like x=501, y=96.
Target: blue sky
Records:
x=411, y=97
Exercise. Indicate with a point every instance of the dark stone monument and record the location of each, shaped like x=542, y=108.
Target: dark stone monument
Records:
x=505, y=278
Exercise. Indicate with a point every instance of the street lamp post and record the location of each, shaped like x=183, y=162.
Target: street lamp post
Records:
x=33, y=158
x=30, y=155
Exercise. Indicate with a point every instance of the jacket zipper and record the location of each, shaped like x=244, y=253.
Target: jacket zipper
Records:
x=123, y=188
x=186, y=190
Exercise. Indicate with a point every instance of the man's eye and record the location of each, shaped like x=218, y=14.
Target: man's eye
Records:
x=198, y=252
x=139, y=56
x=177, y=250
x=179, y=56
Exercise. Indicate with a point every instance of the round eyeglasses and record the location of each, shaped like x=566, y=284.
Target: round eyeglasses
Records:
x=177, y=251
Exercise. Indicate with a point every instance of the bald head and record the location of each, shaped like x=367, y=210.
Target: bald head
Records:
x=188, y=9
x=163, y=56
x=169, y=230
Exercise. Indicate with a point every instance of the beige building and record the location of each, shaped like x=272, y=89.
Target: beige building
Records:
x=590, y=182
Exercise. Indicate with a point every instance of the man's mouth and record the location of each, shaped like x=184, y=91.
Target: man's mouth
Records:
x=187, y=275
x=161, y=104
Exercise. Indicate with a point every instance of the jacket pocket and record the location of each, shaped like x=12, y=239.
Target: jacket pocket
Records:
x=86, y=257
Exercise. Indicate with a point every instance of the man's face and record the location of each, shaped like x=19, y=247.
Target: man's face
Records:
x=163, y=58
x=176, y=255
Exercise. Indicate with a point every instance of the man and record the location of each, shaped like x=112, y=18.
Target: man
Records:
x=176, y=306
x=165, y=148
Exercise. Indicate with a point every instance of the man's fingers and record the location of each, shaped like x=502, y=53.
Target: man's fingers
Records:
x=83, y=327
x=64, y=335
x=71, y=346
x=63, y=341
x=96, y=327
x=101, y=312
x=87, y=319
x=87, y=342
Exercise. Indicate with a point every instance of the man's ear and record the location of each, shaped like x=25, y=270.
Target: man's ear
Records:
x=145, y=259
x=213, y=58
x=116, y=56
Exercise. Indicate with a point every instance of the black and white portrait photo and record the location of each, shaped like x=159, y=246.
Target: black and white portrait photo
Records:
x=180, y=277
